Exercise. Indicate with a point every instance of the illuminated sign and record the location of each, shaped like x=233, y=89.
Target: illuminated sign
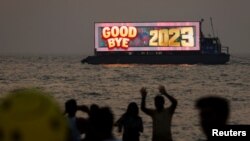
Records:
x=118, y=36
x=158, y=36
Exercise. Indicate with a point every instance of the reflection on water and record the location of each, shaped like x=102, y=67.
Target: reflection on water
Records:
x=117, y=85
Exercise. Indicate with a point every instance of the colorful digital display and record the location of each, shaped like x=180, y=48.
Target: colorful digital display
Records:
x=157, y=36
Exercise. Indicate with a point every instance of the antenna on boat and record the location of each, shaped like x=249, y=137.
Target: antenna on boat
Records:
x=201, y=21
x=211, y=21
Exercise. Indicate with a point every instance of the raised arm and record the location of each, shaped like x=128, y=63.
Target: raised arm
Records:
x=163, y=91
x=143, y=101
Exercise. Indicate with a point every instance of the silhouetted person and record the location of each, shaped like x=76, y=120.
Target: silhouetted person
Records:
x=131, y=123
x=77, y=125
x=161, y=116
x=101, y=122
x=214, y=112
x=90, y=131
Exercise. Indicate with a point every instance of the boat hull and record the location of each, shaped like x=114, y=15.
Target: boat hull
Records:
x=159, y=59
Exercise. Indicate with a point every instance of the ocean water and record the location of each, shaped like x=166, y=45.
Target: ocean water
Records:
x=117, y=85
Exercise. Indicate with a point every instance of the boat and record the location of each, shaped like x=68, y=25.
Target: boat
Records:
x=156, y=43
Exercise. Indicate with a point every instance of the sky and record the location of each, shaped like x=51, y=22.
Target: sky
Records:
x=66, y=27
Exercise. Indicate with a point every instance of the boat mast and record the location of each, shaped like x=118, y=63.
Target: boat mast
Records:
x=201, y=33
x=211, y=21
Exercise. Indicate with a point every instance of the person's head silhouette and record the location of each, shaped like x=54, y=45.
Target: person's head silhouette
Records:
x=159, y=102
x=132, y=109
x=214, y=112
x=71, y=107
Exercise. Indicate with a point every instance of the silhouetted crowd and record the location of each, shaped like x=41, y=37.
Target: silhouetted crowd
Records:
x=18, y=113
x=214, y=112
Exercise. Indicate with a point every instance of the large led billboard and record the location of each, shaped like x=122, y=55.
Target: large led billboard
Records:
x=154, y=36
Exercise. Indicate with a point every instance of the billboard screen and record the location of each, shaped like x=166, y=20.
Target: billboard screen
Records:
x=155, y=36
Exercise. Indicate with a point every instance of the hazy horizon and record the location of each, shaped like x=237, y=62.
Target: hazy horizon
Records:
x=66, y=27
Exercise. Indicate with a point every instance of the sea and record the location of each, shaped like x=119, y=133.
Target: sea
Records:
x=65, y=77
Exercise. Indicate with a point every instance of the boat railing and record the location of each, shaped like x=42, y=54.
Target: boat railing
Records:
x=225, y=49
